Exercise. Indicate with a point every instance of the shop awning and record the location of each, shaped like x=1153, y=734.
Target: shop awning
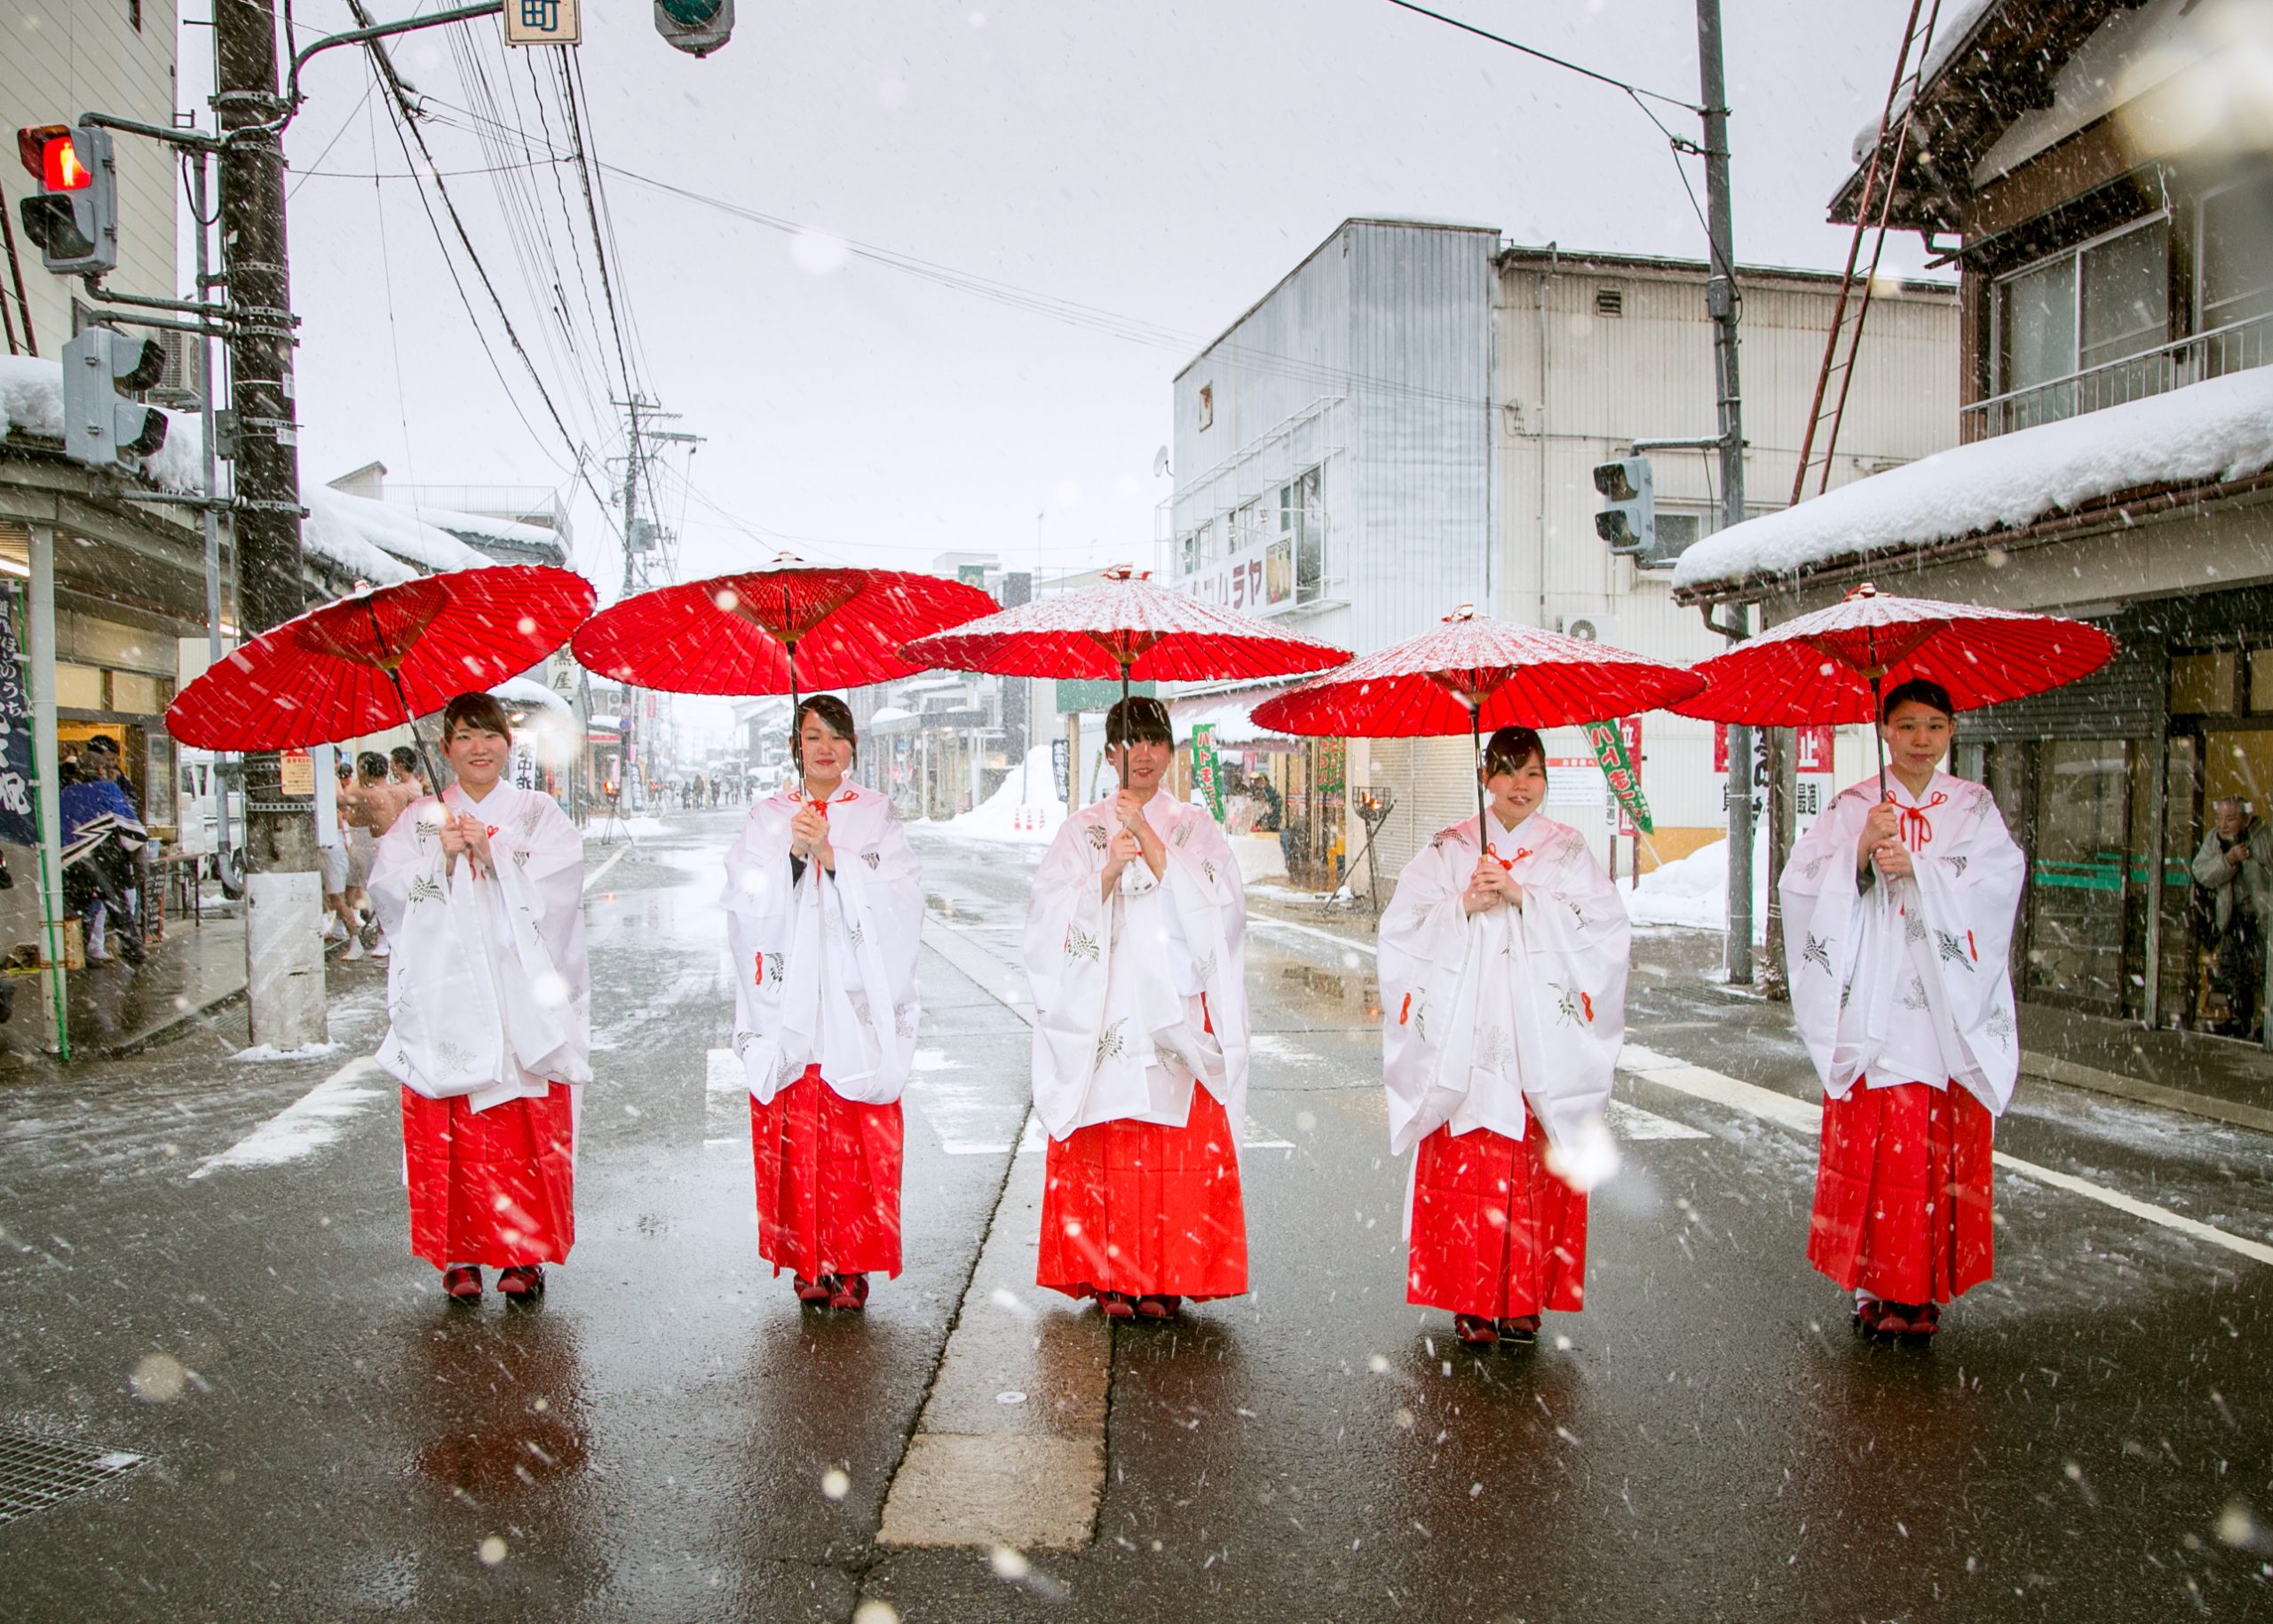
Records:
x=1232, y=715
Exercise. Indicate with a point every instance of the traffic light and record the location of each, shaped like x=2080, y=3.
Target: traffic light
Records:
x=74, y=215
x=696, y=26
x=1629, y=523
x=100, y=427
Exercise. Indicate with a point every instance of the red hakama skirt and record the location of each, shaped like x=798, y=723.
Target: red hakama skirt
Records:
x=496, y=1187
x=1145, y=1209
x=828, y=1180
x=1902, y=1192
x=1495, y=1233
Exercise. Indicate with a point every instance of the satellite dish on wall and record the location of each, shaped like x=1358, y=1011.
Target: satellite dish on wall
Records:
x=1160, y=462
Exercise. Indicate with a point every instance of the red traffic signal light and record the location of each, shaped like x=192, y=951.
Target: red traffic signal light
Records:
x=51, y=155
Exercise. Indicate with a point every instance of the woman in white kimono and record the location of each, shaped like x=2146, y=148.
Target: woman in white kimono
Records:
x=481, y=892
x=1136, y=943
x=1899, y=910
x=1504, y=962
x=824, y=911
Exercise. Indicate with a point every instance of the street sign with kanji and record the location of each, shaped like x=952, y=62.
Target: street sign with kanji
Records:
x=542, y=22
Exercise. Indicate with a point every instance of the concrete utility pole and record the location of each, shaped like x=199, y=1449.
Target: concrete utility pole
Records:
x=283, y=894
x=1721, y=304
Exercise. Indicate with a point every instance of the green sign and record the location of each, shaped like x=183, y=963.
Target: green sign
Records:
x=1207, y=770
x=1079, y=695
x=1617, y=767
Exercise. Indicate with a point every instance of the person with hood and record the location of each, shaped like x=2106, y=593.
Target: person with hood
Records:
x=2233, y=872
x=1135, y=944
x=824, y=912
x=1503, y=966
x=480, y=889
x=1898, y=909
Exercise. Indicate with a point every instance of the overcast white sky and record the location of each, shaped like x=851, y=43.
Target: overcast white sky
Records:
x=1160, y=163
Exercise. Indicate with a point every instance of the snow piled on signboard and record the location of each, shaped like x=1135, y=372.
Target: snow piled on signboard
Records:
x=2215, y=430
x=31, y=402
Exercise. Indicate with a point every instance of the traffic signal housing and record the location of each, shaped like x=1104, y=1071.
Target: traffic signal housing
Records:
x=101, y=427
x=1628, y=520
x=74, y=215
x=696, y=26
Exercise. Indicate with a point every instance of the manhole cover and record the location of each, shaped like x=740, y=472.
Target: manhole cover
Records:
x=39, y=1471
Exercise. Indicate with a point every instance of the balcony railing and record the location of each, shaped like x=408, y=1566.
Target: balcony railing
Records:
x=2233, y=348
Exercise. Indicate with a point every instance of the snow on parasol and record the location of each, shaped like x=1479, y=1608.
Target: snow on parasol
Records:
x=783, y=629
x=1472, y=673
x=1128, y=627
x=1834, y=665
x=375, y=659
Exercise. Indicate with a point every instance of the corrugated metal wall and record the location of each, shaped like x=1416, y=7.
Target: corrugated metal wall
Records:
x=1377, y=347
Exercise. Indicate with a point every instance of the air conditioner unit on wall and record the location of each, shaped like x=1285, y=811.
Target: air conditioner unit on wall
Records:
x=1591, y=627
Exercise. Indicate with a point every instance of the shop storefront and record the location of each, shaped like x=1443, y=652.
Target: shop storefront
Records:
x=2110, y=784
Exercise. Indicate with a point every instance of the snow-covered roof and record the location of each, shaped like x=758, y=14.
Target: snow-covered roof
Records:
x=2207, y=433
x=526, y=691
x=1953, y=24
x=394, y=529
x=31, y=402
x=510, y=531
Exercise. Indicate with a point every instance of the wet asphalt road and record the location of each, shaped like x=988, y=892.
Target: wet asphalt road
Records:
x=324, y=1440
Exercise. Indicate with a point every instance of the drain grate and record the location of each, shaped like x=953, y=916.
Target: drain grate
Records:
x=39, y=1471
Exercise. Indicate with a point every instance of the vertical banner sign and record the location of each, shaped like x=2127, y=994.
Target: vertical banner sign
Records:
x=1207, y=770
x=1609, y=743
x=17, y=826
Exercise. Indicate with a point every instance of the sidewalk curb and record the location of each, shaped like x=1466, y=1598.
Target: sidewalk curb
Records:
x=2051, y=1068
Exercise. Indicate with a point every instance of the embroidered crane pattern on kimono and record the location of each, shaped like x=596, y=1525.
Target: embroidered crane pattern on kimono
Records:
x=1109, y=1042
x=1099, y=839
x=1818, y=952
x=425, y=888
x=1080, y=944
x=1954, y=950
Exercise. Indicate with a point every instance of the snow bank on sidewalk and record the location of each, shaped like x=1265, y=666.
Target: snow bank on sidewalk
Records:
x=2216, y=430
x=1693, y=891
x=1027, y=813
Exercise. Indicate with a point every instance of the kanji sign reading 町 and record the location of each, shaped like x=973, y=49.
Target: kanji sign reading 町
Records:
x=542, y=22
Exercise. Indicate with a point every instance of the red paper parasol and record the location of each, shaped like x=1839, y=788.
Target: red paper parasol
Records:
x=1126, y=628
x=1472, y=673
x=783, y=629
x=373, y=660
x=1833, y=665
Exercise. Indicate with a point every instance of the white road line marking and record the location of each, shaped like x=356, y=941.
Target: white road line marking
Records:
x=726, y=1086
x=1807, y=1118
x=307, y=1125
x=1257, y=921
x=1634, y=1123
x=593, y=878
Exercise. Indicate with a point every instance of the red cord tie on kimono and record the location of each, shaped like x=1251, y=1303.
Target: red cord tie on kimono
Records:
x=1917, y=831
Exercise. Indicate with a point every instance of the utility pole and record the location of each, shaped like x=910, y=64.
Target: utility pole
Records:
x=1721, y=304
x=283, y=895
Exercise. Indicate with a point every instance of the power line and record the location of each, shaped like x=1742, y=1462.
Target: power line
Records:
x=406, y=132
x=1634, y=90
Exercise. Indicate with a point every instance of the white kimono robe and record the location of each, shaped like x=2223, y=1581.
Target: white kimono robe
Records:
x=825, y=964
x=1907, y=980
x=1120, y=1030
x=1484, y=1012
x=488, y=994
